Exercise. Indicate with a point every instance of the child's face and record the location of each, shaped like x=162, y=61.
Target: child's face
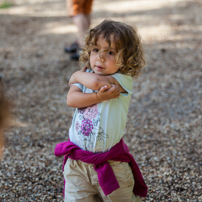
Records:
x=103, y=58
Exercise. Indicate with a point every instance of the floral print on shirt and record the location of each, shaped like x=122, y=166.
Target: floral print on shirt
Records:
x=87, y=126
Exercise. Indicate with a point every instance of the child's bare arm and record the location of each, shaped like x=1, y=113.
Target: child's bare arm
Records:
x=94, y=81
x=108, y=93
x=77, y=99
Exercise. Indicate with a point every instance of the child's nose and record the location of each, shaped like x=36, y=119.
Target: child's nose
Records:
x=101, y=57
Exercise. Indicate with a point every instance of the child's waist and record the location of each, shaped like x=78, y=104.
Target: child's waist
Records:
x=111, y=162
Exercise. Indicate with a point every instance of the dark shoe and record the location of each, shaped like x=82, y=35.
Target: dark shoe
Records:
x=72, y=49
x=75, y=56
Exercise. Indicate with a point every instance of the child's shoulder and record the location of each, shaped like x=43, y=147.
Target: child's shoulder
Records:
x=126, y=81
x=122, y=76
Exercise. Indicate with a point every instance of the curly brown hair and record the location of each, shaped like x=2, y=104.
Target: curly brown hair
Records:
x=130, y=54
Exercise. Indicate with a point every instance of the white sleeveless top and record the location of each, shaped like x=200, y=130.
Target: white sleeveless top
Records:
x=99, y=127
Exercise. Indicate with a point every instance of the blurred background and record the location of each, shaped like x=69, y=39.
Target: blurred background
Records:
x=165, y=115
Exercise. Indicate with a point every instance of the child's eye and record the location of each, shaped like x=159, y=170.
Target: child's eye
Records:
x=95, y=50
x=111, y=53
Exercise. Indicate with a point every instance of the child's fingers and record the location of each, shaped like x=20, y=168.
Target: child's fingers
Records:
x=103, y=89
x=117, y=93
x=83, y=69
x=114, y=89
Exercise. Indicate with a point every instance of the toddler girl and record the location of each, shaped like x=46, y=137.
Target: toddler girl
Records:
x=97, y=163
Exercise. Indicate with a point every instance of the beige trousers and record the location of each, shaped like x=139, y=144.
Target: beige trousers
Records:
x=82, y=183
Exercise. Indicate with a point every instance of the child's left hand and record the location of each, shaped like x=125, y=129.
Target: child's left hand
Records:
x=106, y=93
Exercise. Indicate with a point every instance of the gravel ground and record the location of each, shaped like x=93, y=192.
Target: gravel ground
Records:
x=165, y=116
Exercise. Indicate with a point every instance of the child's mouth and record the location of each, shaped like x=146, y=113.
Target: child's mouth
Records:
x=99, y=68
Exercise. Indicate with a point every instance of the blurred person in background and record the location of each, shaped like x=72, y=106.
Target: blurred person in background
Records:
x=5, y=114
x=80, y=11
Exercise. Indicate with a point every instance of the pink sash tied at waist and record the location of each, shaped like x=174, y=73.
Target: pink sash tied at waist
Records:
x=106, y=177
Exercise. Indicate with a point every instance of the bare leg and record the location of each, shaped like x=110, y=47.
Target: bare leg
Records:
x=82, y=22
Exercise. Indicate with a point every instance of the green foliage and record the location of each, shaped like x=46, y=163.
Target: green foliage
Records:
x=5, y=5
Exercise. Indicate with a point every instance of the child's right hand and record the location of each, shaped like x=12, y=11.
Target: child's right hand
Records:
x=83, y=69
x=73, y=77
x=106, y=93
